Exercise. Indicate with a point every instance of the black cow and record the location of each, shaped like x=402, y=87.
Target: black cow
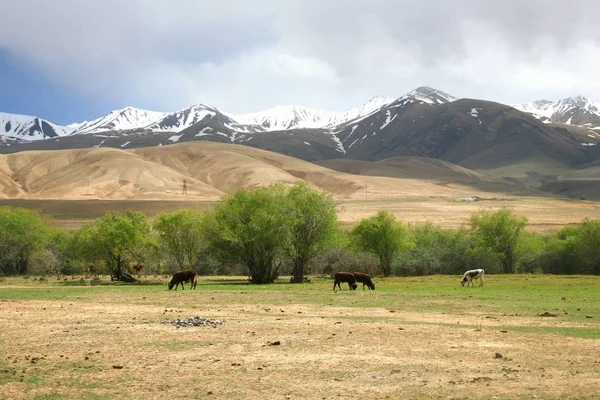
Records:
x=347, y=277
x=184, y=276
x=364, y=279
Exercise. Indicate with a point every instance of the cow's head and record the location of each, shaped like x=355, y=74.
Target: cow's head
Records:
x=171, y=284
x=354, y=286
x=463, y=281
x=371, y=286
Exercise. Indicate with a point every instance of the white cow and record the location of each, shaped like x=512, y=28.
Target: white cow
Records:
x=472, y=275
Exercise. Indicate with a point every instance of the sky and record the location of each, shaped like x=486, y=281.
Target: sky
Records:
x=75, y=60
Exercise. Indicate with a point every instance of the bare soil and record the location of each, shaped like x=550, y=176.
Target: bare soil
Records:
x=109, y=345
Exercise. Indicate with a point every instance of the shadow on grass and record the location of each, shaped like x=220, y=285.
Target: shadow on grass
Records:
x=240, y=282
x=100, y=282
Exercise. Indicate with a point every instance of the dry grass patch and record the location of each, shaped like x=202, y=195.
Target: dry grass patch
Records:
x=110, y=342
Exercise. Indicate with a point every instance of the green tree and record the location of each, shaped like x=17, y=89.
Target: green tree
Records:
x=115, y=240
x=313, y=227
x=435, y=251
x=51, y=259
x=22, y=233
x=250, y=228
x=180, y=235
x=531, y=250
x=588, y=245
x=574, y=249
x=498, y=232
x=382, y=236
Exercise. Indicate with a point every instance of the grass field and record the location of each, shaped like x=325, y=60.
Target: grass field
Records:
x=410, y=338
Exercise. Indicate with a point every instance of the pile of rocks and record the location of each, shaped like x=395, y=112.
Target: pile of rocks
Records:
x=194, y=321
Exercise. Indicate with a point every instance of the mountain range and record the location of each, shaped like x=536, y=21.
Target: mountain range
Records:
x=576, y=110
x=541, y=145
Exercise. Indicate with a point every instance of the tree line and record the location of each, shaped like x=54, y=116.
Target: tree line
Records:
x=277, y=230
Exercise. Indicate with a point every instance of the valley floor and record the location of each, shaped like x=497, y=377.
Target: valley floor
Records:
x=517, y=337
x=545, y=214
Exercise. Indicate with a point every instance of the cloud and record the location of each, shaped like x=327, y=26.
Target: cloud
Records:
x=247, y=55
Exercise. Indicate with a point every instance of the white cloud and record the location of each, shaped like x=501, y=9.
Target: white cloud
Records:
x=247, y=55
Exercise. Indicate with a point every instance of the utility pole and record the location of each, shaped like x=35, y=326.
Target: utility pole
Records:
x=366, y=190
x=88, y=187
x=184, y=187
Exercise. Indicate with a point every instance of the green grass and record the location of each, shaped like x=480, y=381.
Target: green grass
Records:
x=571, y=298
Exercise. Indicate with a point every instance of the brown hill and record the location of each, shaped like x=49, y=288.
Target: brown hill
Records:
x=210, y=170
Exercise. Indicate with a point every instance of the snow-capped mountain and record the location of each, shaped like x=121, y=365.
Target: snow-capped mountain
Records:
x=201, y=116
x=298, y=117
x=127, y=118
x=576, y=110
x=182, y=119
x=29, y=128
x=429, y=95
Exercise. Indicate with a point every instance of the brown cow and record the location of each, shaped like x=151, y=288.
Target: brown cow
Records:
x=344, y=277
x=364, y=279
x=138, y=267
x=184, y=276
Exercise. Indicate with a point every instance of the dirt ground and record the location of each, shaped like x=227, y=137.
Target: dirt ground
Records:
x=106, y=346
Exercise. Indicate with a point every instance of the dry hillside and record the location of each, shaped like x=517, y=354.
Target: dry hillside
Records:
x=211, y=170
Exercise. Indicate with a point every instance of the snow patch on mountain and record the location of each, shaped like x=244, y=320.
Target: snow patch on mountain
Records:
x=127, y=118
x=571, y=110
x=299, y=117
x=182, y=119
x=475, y=114
x=429, y=95
x=29, y=128
x=388, y=119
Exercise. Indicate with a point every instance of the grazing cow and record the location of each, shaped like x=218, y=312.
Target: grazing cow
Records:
x=138, y=268
x=347, y=277
x=364, y=279
x=184, y=276
x=472, y=275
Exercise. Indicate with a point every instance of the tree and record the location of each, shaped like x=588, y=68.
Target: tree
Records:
x=313, y=227
x=498, y=232
x=180, y=235
x=436, y=251
x=574, y=249
x=22, y=233
x=115, y=239
x=250, y=228
x=382, y=236
x=588, y=245
x=52, y=258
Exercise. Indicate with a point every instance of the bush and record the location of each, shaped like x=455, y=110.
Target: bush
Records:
x=343, y=258
x=436, y=251
x=382, y=236
x=574, y=250
x=498, y=233
x=22, y=233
